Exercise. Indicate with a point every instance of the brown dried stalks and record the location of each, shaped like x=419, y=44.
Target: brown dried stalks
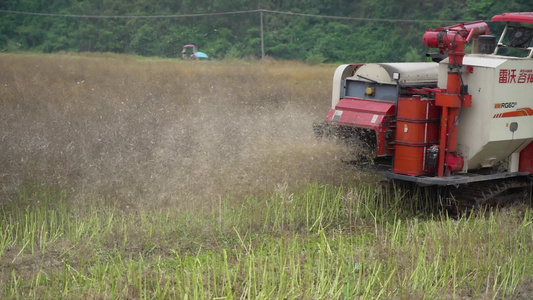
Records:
x=152, y=132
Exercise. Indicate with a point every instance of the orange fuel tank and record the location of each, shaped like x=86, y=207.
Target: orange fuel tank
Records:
x=417, y=129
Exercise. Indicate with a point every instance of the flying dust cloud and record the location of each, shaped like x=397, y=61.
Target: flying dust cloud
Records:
x=145, y=132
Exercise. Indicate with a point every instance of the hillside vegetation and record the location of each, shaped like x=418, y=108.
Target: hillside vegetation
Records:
x=231, y=36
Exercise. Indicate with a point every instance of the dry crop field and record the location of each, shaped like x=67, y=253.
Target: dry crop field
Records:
x=144, y=131
x=128, y=177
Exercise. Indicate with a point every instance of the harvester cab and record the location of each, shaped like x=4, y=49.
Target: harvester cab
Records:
x=517, y=36
x=461, y=121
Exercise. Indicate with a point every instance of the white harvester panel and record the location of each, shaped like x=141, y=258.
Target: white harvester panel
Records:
x=418, y=73
x=412, y=74
x=500, y=121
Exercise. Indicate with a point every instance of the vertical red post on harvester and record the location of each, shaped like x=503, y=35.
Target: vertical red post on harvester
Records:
x=451, y=40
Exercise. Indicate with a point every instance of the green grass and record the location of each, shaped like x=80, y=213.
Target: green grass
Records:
x=321, y=243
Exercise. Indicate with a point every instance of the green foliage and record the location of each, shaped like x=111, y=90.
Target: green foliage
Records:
x=144, y=41
x=233, y=36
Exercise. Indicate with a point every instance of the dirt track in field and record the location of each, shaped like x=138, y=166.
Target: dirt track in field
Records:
x=162, y=131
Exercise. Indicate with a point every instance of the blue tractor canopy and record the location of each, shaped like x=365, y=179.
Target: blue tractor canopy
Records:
x=191, y=52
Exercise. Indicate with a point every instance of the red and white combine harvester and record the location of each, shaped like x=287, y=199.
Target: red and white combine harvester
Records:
x=463, y=122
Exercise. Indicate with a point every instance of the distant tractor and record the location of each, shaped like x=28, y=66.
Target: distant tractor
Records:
x=191, y=52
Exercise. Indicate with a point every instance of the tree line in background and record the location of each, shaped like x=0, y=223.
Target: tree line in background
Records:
x=235, y=36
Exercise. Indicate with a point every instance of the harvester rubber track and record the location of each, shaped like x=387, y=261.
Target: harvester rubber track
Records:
x=493, y=193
